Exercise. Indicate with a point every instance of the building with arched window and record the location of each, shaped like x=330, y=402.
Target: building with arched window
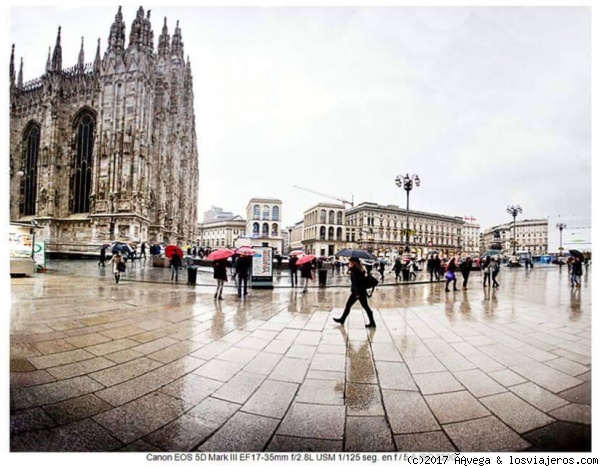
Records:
x=263, y=224
x=107, y=150
x=382, y=230
x=324, y=229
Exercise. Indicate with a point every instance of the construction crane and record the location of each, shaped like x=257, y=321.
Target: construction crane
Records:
x=350, y=203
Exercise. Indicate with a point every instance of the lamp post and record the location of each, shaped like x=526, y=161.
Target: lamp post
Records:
x=561, y=227
x=406, y=182
x=514, y=210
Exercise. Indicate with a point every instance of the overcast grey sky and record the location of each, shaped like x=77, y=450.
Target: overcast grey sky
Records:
x=489, y=105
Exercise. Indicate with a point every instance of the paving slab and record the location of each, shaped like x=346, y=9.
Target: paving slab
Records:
x=486, y=434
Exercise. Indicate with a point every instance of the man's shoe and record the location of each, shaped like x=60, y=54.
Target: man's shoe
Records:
x=338, y=320
x=371, y=325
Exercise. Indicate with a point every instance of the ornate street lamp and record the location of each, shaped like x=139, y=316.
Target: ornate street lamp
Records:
x=406, y=182
x=514, y=210
x=561, y=227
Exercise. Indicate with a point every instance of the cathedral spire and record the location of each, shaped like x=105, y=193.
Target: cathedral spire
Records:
x=97, y=59
x=57, y=55
x=136, y=34
x=80, y=60
x=163, y=40
x=49, y=61
x=12, y=66
x=148, y=33
x=177, y=44
x=20, y=78
x=116, y=39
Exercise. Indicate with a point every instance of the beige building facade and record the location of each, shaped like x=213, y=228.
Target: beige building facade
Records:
x=471, y=235
x=263, y=224
x=530, y=235
x=221, y=233
x=324, y=229
x=382, y=230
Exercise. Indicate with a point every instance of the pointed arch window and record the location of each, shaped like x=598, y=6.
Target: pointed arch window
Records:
x=31, y=150
x=81, y=175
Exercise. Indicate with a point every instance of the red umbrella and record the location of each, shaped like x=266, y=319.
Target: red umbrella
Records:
x=220, y=254
x=171, y=248
x=246, y=251
x=305, y=259
x=296, y=253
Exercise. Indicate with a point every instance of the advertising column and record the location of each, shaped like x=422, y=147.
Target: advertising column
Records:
x=262, y=268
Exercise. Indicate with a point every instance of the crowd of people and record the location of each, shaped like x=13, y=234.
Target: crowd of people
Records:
x=404, y=268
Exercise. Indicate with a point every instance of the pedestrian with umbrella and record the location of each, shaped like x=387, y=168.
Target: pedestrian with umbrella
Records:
x=358, y=292
x=576, y=271
x=103, y=255
x=294, y=268
x=242, y=269
x=307, y=266
x=495, y=266
x=175, y=265
x=487, y=270
x=220, y=269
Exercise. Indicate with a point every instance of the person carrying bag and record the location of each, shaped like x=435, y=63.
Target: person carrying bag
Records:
x=358, y=292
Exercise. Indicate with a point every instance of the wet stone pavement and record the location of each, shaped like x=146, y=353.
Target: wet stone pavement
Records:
x=150, y=365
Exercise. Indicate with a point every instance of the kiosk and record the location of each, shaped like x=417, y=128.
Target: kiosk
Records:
x=21, y=240
x=262, y=267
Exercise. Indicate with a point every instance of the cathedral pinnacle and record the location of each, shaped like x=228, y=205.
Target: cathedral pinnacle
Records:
x=12, y=66
x=177, y=44
x=80, y=60
x=97, y=59
x=163, y=40
x=116, y=39
x=20, y=78
x=57, y=55
x=49, y=61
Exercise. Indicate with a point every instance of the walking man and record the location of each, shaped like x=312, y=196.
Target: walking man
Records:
x=175, y=264
x=242, y=270
x=294, y=271
x=465, y=270
x=358, y=292
x=102, y=257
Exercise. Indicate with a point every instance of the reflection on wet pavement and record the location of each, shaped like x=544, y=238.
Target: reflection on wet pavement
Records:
x=150, y=365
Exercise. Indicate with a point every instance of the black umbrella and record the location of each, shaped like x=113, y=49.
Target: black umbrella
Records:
x=360, y=253
x=121, y=247
x=429, y=253
x=576, y=253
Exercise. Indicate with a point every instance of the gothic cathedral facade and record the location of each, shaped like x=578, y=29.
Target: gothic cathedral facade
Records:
x=107, y=150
